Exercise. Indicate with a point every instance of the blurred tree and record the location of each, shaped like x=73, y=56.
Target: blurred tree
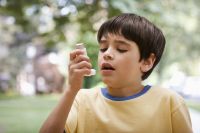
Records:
x=60, y=24
x=53, y=22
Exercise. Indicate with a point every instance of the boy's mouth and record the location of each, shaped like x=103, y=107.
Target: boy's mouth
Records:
x=107, y=66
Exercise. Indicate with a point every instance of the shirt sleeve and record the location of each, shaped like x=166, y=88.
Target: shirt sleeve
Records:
x=181, y=122
x=72, y=120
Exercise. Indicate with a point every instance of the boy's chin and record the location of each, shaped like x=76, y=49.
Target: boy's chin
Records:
x=110, y=82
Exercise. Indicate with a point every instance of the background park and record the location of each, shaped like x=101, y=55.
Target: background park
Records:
x=37, y=35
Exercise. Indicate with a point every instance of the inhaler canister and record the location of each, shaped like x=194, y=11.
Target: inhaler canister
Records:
x=82, y=47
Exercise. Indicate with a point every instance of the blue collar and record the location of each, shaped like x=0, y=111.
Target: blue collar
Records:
x=114, y=98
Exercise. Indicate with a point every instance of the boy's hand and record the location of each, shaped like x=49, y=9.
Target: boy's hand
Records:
x=78, y=67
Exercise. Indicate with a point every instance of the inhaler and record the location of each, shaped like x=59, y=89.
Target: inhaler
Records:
x=82, y=47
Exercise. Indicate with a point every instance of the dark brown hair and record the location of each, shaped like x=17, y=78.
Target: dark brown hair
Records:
x=145, y=34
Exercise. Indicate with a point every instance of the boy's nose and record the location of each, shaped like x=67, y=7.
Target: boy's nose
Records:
x=108, y=55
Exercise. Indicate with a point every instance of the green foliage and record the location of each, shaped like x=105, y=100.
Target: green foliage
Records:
x=69, y=22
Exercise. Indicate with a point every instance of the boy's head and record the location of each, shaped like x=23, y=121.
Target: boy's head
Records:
x=149, y=39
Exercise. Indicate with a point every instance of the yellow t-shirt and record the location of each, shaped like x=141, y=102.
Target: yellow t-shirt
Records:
x=155, y=110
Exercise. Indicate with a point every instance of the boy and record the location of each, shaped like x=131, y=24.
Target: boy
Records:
x=130, y=48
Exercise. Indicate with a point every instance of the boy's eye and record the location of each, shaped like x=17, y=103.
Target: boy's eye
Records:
x=103, y=49
x=122, y=50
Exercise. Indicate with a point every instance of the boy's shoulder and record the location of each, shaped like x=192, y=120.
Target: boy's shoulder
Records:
x=89, y=93
x=163, y=90
x=157, y=93
x=167, y=94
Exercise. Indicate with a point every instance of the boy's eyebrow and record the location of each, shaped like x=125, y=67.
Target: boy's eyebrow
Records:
x=121, y=42
x=116, y=41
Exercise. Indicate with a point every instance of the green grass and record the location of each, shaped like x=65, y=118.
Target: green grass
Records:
x=24, y=114
x=193, y=104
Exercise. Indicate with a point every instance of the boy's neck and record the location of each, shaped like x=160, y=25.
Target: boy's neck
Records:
x=125, y=91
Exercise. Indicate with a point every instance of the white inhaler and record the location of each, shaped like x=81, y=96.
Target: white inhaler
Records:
x=82, y=47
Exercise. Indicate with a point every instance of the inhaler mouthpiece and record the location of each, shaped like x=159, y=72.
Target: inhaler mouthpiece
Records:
x=82, y=47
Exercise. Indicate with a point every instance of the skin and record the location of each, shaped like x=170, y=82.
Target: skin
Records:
x=115, y=50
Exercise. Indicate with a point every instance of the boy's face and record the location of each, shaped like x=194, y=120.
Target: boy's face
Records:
x=118, y=61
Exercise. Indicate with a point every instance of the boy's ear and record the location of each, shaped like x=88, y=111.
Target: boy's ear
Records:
x=147, y=64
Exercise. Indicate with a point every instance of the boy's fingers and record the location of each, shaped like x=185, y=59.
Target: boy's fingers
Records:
x=74, y=53
x=80, y=65
x=81, y=58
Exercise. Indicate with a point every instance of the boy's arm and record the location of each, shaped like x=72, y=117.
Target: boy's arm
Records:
x=55, y=123
x=78, y=67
